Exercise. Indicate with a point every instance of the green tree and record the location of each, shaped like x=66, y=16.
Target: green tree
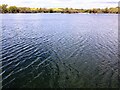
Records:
x=50, y=11
x=106, y=10
x=0, y=9
x=4, y=8
x=99, y=10
x=24, y=10
x=94, y=10
x=40, y=10
x=13, y=9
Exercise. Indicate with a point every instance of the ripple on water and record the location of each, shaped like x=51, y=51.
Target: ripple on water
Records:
x=59, y=51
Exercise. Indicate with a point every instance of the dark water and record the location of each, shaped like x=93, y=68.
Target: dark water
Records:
x=59, y=50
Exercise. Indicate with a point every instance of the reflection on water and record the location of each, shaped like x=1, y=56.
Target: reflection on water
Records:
x=59, y=50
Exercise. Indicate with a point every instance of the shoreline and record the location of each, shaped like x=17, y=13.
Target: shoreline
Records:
x=59, y=13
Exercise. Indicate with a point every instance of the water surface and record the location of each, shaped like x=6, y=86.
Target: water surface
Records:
x=59, y=50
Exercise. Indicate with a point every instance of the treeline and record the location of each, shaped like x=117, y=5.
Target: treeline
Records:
x=13, y=9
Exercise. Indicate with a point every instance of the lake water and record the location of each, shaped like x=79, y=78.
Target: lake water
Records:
x=59, y=50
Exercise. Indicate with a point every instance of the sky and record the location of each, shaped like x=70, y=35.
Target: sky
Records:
x=85, y=4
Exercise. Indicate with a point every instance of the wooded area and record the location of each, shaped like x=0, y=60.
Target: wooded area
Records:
x=13, y=9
